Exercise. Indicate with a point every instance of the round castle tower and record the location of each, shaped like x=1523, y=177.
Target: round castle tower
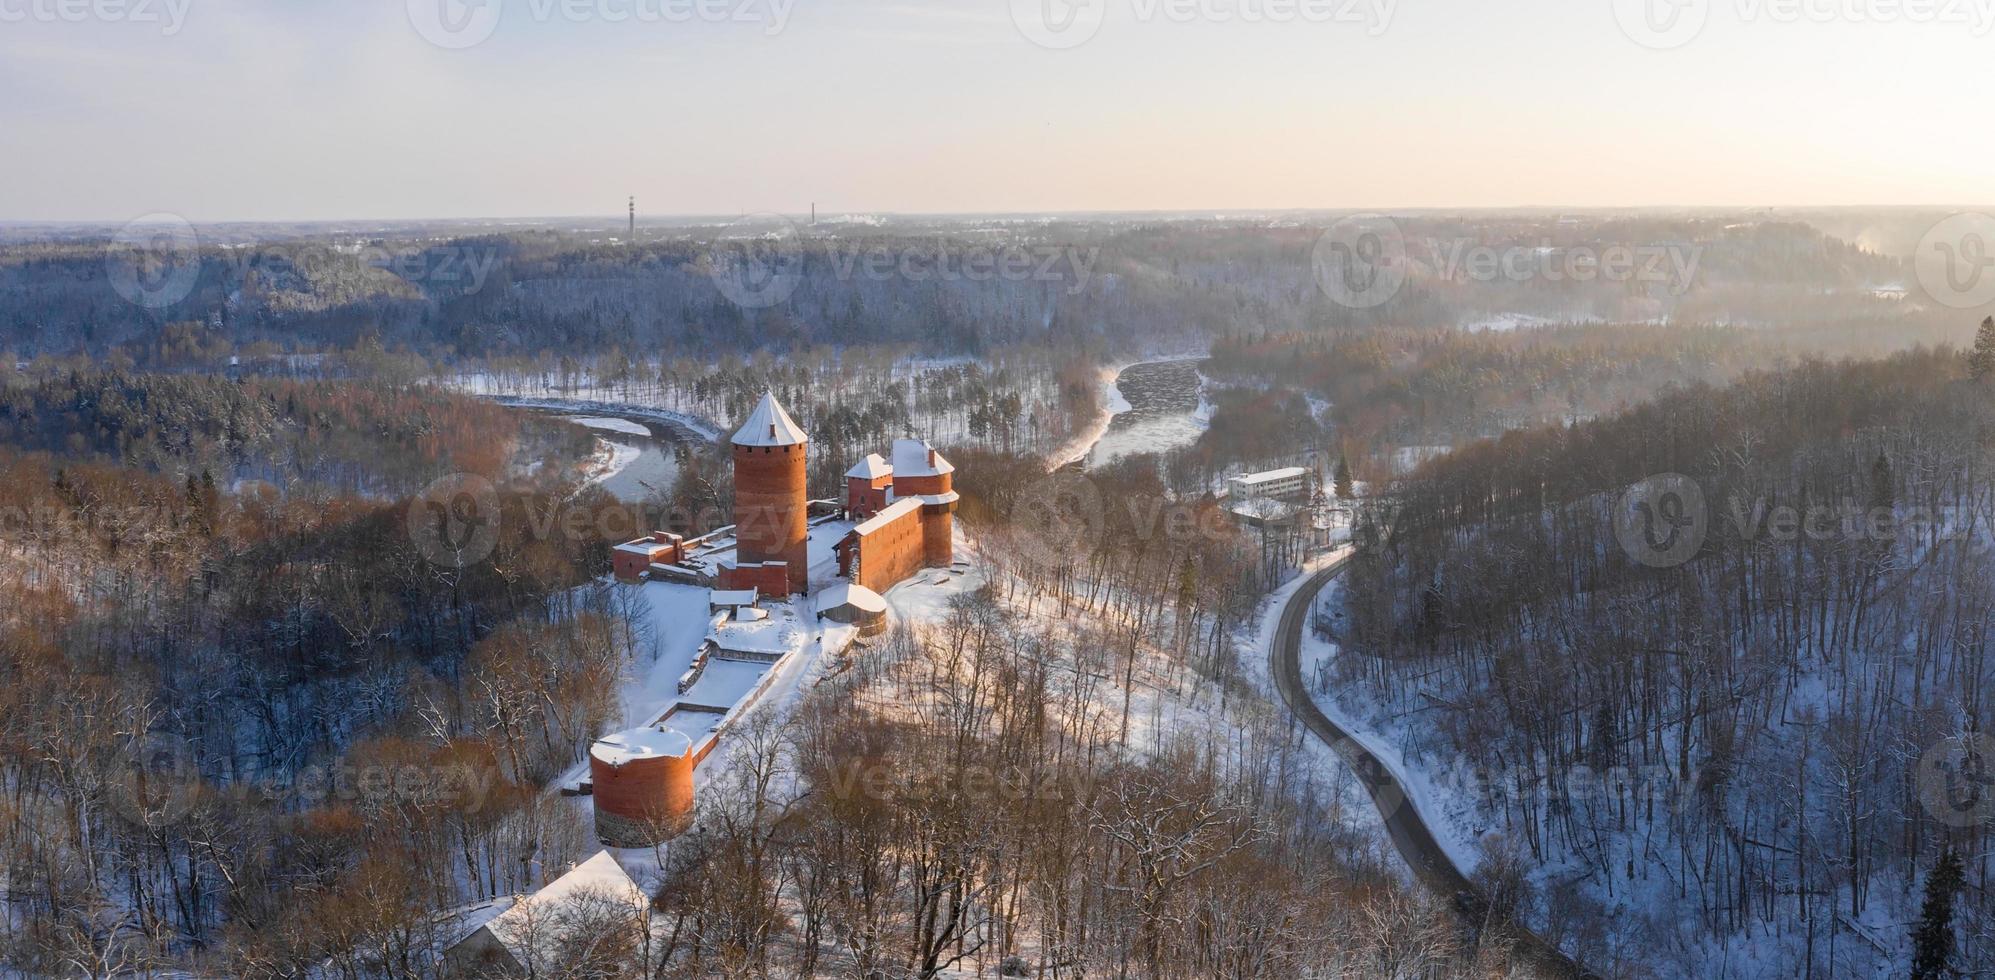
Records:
x=771, y=508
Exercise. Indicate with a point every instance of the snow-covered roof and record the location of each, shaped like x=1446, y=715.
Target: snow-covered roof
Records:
x=658, y=741
x=733, y=597
x=1288, y=473
x=893, y=512
x=911, y=459
x=770, y=425
x=599, y=875
x=849, y=594
x=872, y=467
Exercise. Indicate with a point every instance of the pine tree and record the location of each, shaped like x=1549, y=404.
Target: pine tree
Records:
x=1345, y=491
x=1932, y=944
x=1981, y=362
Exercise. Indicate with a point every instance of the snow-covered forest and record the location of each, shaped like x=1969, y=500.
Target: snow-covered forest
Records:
x=1735, y=758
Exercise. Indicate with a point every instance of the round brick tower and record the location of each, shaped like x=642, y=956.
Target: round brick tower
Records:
x=642, y=783
x=771, y=509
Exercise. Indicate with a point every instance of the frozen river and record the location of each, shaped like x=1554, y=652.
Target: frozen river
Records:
x=1158, y=406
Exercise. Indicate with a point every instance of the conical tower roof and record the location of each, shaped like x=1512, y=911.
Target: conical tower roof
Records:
x=770, y=425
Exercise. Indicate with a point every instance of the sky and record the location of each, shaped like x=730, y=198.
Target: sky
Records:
x=249, y=110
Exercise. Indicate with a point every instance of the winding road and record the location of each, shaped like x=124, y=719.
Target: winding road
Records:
x=1409, y=831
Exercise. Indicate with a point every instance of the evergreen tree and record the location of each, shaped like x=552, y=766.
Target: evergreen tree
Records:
x=1883, y=488
x=1345, y=491
x=1932, y=944
x=1981, y=362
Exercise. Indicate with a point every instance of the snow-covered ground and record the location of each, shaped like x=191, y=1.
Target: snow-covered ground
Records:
x=1455, y=821
x=625, y=426
x=1644, y=916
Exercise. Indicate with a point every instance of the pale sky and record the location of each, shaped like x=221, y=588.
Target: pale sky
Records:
x=328, y=109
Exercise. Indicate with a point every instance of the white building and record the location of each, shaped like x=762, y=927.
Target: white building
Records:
x=1291, y=483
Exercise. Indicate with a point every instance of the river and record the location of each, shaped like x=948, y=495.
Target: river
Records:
x=645, y=454
x=1157, y=406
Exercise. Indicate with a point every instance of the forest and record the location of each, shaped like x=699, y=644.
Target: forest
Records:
x=1147, y=284
x=1792, y=674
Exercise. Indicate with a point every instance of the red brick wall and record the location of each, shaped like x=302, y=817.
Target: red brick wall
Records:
x=938, y=534
x=892, y=553
x=630, y=567
x=771, y=579
x=864, y=498
x=770, y=510
x=636, y=798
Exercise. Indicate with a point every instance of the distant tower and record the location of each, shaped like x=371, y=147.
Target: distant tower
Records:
x=633, y=217
x=770, y=508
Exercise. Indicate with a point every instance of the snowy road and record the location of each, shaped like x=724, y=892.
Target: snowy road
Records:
x=1409, y=831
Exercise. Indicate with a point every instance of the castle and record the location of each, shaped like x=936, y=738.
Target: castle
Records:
x=897, y=517
x=903, y=506
x=905, y=510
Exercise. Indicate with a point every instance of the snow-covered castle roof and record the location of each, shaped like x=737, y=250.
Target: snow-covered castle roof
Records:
x=913, y=457
x=872, y=467
x=769, y=425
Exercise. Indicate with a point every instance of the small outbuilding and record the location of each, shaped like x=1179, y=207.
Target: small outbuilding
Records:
x=853, y=605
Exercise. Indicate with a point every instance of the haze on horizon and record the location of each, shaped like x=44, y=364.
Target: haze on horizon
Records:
x=319, y=109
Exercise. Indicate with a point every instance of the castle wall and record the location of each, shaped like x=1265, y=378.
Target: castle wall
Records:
x=890, y=553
